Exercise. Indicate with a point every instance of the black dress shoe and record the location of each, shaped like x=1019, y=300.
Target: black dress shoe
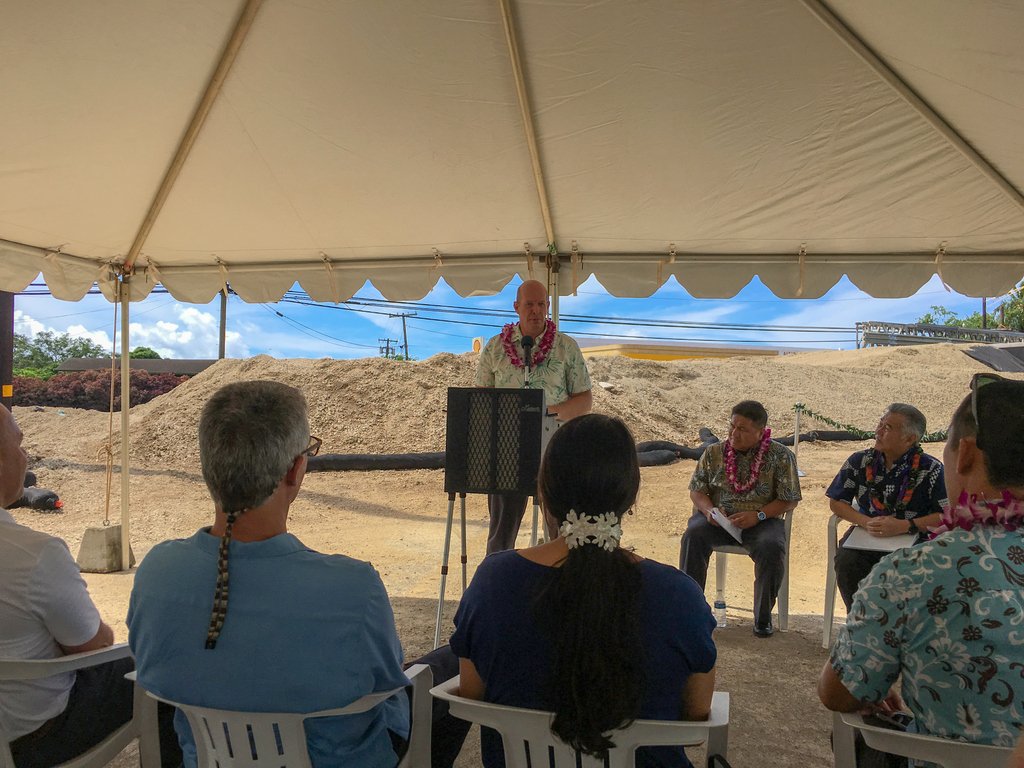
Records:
x=764, y=630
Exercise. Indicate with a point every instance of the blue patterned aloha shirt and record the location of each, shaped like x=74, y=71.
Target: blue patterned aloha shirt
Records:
x=948, y=616
x=561, y=374
x=929, y=495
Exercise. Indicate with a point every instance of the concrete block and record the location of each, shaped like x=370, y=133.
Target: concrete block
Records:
x=101, y=550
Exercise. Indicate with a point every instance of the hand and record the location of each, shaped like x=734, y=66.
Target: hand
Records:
x=885, y=526
x=707, y=514
x=744, y=520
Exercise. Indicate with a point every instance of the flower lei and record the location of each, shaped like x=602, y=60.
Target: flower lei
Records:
x=908, y=482
x=544, y=345
x=601, y=530
x=970, y=511
x=755, y=467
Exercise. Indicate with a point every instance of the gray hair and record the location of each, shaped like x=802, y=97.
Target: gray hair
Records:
x=249, y=434
x=914, y=423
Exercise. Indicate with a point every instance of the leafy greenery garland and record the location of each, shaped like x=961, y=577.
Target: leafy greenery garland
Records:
x=930, y=437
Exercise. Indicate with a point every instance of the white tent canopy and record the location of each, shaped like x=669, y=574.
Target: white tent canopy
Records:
x=328, y=142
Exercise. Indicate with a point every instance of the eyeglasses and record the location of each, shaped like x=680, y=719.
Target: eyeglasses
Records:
x=978, y=382
x=314, y=446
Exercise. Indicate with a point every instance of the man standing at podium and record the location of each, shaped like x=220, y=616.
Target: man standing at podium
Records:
x=549, y=360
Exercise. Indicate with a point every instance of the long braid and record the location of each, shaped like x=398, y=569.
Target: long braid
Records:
x=220, y=592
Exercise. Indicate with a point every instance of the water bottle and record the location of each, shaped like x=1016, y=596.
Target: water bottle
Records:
x=720, y=613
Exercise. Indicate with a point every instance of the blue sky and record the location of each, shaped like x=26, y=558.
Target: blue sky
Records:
x=187, y=330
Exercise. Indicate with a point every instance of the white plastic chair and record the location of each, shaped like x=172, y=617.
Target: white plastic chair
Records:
x=144, y=712
x=735, y=549
x=229, y=739
x=943, y=752
x=528, y=740
x=830, y=582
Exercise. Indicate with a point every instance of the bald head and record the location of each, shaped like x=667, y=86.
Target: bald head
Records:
x=531, y=305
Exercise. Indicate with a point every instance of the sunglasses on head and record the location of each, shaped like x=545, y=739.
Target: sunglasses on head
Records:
x=978, y=382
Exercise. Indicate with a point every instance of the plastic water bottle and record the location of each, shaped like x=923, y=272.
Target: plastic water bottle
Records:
x=720, y=613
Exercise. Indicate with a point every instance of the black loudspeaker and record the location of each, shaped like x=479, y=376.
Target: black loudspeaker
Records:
x=493, y=440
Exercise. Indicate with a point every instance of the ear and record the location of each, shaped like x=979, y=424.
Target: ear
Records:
x=296, y=471
x=967, y=455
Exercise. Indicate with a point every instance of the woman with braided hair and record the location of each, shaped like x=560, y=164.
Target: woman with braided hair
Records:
x=579, y=625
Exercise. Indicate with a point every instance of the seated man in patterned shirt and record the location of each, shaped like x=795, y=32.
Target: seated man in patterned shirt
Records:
x=945, y=616
x=752, y=480
x=898, y=489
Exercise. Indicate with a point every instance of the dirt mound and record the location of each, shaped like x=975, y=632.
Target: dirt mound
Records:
x=386, y=406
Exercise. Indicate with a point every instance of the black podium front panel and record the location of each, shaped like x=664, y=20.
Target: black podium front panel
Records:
x=493, y=440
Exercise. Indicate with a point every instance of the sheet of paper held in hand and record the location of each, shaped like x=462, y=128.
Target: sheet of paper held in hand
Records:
x=727, y=524
x=861, y=539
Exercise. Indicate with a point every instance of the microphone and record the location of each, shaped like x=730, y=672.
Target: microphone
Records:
x=528, y=350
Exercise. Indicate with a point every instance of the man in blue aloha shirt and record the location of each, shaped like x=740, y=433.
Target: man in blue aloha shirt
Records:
x=897, y=488
x=946, y=617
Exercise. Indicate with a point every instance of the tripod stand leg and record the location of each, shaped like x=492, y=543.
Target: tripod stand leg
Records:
x=444, y=566
x=462, y=503
x=536, y=516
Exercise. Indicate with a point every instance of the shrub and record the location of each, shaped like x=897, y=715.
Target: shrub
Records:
x=91, y=389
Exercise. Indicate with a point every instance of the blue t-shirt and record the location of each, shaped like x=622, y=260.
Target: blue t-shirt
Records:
x=304, y=631
x=496, y=630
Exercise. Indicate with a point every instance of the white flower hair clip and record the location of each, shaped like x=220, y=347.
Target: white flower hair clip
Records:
x=602, y=530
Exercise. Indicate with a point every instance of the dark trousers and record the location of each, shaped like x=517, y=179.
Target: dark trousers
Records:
x=852, y=565
x=447, y=732
x=507, y=510
x=765, y=543
x=100, y=702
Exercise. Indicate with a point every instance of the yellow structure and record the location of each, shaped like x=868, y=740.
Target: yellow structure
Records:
x=678, y=351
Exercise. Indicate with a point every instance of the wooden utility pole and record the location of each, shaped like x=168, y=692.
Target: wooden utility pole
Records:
x=386, y=349
x=6, y=349
x=405, y=333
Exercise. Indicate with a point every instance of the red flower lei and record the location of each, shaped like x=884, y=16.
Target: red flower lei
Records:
x=755, y=468
x=544, y=345
x=910, y=479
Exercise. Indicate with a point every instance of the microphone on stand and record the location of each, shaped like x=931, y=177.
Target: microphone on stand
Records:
x=528, y=354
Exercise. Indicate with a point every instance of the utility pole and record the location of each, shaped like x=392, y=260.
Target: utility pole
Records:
x=386, y=349
x=405, y=334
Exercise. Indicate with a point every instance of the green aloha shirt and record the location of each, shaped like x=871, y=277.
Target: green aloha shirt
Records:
x=778, y=478
x=945, y=617
x=561, y=374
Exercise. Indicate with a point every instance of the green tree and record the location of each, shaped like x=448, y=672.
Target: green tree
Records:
x=41, y=355
x=1011, y=311
x=939, y=315
x=144, y=353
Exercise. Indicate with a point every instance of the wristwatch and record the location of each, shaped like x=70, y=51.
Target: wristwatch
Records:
x=761, y=516
x=911, y=528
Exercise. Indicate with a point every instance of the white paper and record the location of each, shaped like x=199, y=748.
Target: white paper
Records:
x=861, y=539
x=727, y=524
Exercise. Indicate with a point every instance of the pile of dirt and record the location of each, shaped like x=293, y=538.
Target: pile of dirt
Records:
x=386, y=406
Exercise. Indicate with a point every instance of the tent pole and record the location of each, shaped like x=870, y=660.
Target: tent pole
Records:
x=222, y=348
x=227, y=58
x=873, y=60
x=553, y=281
x=526, y=112
x=125, y=404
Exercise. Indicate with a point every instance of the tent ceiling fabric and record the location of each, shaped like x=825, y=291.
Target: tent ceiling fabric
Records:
x=709, y=142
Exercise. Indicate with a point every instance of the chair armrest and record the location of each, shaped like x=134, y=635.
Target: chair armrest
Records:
x=34, y=669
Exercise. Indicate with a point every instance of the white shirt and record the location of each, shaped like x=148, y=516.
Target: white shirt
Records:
x=44, y=603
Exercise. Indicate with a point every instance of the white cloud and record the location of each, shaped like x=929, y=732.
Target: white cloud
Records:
x=181, y=332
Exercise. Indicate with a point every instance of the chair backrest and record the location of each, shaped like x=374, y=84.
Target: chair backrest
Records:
x=528, y=739
x=943, y=752
x=230, y=739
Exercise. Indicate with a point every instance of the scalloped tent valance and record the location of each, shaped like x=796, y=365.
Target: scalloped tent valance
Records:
x=266, y=143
